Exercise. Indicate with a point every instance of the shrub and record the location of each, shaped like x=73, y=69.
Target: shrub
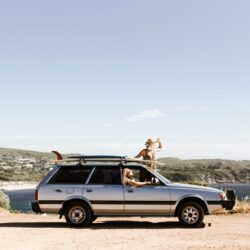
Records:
x=4, y=200
x=241, y=207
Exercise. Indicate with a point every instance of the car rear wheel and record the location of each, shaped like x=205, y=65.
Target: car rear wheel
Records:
x=191, y=214
x=93, y=218
x=78, y=214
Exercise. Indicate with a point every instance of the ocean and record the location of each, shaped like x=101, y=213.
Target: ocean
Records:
x=21, y=199
x=242, y=190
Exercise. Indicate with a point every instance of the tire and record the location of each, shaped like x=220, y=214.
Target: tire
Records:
x=93, y=218
x=191, y=214
x=78, y=214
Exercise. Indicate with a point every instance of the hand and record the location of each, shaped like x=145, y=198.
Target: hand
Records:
x=159, y=144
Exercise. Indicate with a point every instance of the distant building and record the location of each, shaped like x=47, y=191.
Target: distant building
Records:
x=28, y=165
x=6, y=167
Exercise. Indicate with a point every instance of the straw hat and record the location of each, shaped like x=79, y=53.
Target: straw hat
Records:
x=149, y=141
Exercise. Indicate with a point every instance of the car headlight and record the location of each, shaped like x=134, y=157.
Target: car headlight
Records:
x=223, y=196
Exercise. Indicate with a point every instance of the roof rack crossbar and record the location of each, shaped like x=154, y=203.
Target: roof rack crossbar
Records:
x=121, y=159
x=97, y=157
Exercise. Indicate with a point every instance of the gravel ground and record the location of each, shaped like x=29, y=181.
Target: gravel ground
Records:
x=24, y=231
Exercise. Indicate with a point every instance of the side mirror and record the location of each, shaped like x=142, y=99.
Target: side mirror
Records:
x=155, y=181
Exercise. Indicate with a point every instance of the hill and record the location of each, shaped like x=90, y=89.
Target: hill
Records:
x=24, y=165
x=206, y=170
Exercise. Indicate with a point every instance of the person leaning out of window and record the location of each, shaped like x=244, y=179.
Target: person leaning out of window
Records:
x=129, y=180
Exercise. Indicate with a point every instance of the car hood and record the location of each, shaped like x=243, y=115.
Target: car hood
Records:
x=194, y=187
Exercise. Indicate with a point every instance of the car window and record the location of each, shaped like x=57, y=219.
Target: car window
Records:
x=106, y=175
x=75, y=175
x=142, y=175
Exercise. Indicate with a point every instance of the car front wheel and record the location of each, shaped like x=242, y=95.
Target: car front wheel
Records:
x=191, y=214
x=78, y=214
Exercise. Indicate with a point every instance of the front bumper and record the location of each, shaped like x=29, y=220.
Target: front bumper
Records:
x=230, y=202
x=228, y=205
x=36, y=208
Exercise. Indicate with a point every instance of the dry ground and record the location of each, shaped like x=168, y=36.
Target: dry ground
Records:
x=23, y=231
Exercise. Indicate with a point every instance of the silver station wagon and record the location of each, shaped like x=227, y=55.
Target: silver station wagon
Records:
x=83, y=188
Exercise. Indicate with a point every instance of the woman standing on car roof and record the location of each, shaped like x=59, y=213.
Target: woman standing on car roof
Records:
x=149, y=153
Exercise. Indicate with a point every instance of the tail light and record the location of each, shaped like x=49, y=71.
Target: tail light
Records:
x=36, y=194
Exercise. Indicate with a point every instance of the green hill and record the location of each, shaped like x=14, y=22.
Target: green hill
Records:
x=24, y=165
x=206, y=171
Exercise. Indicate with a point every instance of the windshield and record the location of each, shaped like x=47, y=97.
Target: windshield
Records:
x=162, y=177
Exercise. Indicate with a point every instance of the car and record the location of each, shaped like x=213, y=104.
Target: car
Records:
x=83, y=188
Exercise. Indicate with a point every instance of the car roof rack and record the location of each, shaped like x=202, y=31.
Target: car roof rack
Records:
x=105, y=158
x=97, y=157
x=101, y=158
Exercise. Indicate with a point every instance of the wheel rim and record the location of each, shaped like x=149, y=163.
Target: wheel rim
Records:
x=77, y=215
x=190, y=215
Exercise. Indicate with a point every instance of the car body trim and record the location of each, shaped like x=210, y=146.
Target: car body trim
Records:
x=50, y=202
x=218, y=202
x=135, y=202
x=114, y=202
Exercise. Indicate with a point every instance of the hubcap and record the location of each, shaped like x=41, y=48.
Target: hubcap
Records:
x=190, y=215
x=77, y=215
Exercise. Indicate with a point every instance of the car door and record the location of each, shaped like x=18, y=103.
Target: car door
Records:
x=105, y=191
x=151, y=199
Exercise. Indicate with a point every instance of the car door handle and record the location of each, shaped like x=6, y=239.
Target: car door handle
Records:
x=58, y=190
x=130, y=190
x=89, y=190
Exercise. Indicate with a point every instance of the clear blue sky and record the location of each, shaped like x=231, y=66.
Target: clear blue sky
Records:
x=103, y=76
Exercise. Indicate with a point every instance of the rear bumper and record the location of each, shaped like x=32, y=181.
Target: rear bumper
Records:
x=36, y=208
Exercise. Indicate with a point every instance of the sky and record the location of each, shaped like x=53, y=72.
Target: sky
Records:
x=100, y=77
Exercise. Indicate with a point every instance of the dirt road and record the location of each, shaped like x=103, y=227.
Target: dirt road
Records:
x=22, y=231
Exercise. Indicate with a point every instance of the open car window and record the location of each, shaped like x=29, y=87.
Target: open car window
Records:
x=142, y=174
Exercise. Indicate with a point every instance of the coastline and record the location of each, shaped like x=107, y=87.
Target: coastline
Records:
x=17, y=185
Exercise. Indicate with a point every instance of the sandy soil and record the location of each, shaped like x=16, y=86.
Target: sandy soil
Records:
x=24, y=231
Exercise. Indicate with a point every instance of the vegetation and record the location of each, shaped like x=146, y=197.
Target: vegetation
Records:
x=23, y=165
x=23, y=174
x=241, y=207
x=4, y=201
x=205, y=171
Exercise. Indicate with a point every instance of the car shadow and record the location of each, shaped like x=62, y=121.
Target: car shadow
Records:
x=124, y=224
x=139, y=225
